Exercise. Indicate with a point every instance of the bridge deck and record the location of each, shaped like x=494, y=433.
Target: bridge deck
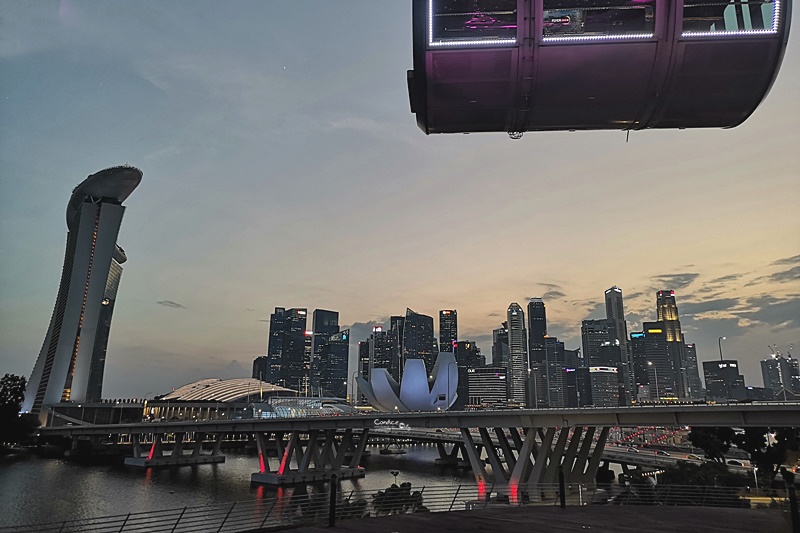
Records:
x=738, y=415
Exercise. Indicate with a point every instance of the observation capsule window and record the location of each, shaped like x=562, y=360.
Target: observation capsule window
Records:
x=730, y=17
x=598, y=20
x=453, y=23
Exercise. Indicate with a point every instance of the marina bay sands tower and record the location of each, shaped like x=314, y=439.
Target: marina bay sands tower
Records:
x=71, y=362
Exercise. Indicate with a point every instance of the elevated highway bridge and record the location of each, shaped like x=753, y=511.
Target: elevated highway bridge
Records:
x=527, y=446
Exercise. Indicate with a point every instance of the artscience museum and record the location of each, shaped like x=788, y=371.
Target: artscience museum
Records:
x=417, y=391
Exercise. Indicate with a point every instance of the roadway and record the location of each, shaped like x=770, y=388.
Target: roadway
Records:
x=735, y=415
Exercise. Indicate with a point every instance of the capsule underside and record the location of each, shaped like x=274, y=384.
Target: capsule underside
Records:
x=539, y=65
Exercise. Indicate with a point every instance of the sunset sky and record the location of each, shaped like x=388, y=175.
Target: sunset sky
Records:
x=282, y=167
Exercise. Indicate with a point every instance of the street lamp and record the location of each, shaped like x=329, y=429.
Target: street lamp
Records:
x=655, y=370
x=755, y=475
x=720, y=347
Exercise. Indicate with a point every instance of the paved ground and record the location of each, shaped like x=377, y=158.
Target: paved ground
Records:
x=553, y=519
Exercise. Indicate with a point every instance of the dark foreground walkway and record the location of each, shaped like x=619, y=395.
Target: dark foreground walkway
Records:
x=549, y=519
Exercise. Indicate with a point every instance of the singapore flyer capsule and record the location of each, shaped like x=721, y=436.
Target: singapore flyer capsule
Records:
x=547, y=65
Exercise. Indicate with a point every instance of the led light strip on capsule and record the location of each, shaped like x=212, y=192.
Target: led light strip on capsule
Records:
x=776, y=16
x=432, y=43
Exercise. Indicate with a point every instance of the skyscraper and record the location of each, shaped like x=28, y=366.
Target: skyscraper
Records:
x=771, y=373
x=781, y=374
x=500, y=346
x=693, y=372
x=363, y=370
x=418, y=340
x=667, y=311
x=448, y=330
x=555, y=361
x=381, y=352
x=605, y=386
x=287, y=348
x=723, y=380
x=396, y=330
x=517, y=354
x=261, y=368
x=537, y=386
x=324, y=324
x=653, y=365
x=615, y=311
x=94, y=392
x=468, y=357
x=790, y=373
x=71, y=362
x=537, y=329
x=487, y=385
x=594, y=334
x=334, y=355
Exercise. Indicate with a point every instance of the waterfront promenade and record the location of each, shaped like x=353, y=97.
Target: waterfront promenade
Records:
x=588, y=518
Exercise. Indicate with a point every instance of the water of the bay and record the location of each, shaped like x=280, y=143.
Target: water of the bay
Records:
x=34, y=489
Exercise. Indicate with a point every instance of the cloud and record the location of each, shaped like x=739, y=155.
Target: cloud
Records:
x=597, y=311
x=793, y=274
x=494, y=314
x=723, y=327
x=676, y=281
x=170, y=303
x=549, y=285
x=723, y=279
x=778, y=314
x=695, y=308
x=553, y=295
x=635, y=320
x=787, y=260
x=553, y=292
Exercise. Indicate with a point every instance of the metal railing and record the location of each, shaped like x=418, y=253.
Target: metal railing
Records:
x=309, y=508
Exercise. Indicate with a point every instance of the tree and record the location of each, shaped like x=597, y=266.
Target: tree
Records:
x=13, y=428
x=704, y=474
x=768, y=457
x=12, y=391
x=715, y=442
x=693, y=482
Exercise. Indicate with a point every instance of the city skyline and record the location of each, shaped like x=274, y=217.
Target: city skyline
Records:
x=284, y=172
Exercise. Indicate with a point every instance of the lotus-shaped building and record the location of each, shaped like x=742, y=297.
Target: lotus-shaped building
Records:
x=417, y=391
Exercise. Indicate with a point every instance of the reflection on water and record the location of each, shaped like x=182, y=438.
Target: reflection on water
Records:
x=44, y=490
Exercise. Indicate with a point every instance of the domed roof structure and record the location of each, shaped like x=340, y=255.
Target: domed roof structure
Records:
x=226, y=390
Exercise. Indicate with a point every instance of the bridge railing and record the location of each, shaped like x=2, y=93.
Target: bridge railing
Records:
x=310, y=508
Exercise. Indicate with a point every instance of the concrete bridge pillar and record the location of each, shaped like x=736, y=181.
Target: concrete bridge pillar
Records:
x=156, y=456
x=324, y=454
x=530, y=461
x=457, y=456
